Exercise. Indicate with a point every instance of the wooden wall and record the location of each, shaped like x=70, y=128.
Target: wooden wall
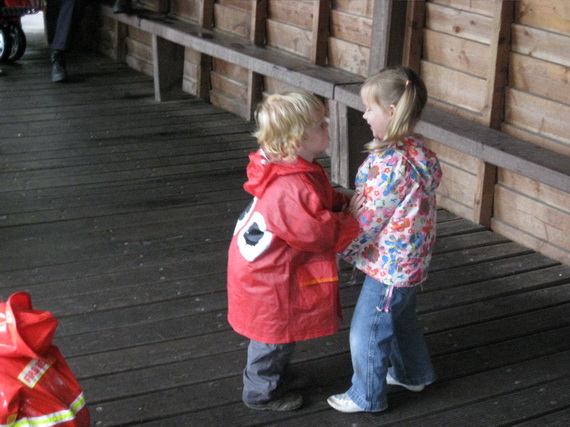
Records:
x=499, y=63
x=538, y=93
x=462, y=42
x=463, y=56
x=537, y=109
x=503, y=65
x=335, y=34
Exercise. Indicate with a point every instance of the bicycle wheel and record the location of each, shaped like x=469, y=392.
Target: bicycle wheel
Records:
x=19, y=42
x=5, y=43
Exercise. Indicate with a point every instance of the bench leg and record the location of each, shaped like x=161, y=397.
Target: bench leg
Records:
x=349, y=133
x=119, y=41
x=484, y=193
x=168, y=69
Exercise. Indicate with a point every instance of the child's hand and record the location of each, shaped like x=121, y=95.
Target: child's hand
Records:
x=356, y=205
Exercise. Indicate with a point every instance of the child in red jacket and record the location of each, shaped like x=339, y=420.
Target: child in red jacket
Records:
x=282, y=273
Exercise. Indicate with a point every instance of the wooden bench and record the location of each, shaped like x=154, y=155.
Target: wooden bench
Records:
x=489, y=145
x=170, y=36
x=493, y=148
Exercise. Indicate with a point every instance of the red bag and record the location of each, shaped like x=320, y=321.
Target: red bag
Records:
x=34, y=4
x=37, y=388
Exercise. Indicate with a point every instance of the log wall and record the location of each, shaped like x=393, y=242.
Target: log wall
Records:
x=498, y=63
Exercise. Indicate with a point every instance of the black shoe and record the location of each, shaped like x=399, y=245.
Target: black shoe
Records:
x=58, y=72
x=122, y=6
x=289, y=402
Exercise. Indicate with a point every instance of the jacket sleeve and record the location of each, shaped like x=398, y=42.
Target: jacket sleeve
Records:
x=385, y=187
x=301, y=219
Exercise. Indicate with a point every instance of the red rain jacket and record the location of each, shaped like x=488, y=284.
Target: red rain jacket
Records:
x=37, y=387
x=282, y=272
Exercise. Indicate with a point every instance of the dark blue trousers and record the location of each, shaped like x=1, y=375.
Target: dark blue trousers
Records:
x=61, y=19
x=266, y=371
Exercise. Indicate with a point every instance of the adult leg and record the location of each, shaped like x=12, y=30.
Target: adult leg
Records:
x=62, y=20
x=264, y=375
x=50, y=19
x=66, y=14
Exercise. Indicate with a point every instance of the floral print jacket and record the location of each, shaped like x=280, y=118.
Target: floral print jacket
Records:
x=397, y=226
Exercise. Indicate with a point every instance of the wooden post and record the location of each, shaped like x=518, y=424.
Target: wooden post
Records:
x=321, y=12
x=414, y=36
x=168, y=68
x=493, y=113
x=254, y=92
x=484, y=193
x=120, y=41
x=206, y=17
x=349, y=133
x=258, y=38
x=388, y=30
x=497, y=78
x=258, y=19
x=203, y=83
x=339, y=159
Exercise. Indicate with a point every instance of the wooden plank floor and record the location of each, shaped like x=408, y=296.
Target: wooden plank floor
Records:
x=116, y=213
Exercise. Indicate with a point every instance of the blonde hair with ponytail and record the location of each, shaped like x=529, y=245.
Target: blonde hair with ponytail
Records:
x=404, y=89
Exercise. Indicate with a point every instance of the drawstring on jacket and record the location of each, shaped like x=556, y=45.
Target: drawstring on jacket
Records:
x=387, y=299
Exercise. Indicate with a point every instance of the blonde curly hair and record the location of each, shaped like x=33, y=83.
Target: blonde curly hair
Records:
x=282, y=120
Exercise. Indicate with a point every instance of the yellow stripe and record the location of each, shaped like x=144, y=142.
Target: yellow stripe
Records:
x=78, y=403
x=52, y=419
x=316, y=281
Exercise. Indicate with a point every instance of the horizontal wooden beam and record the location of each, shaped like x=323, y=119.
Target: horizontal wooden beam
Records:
x=497, y=148
x=279, y=65
x=490, y=145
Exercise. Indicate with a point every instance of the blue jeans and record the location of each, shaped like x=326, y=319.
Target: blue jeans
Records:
x=385, y=332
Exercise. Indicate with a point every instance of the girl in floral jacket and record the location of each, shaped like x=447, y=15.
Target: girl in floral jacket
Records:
x=396, y=185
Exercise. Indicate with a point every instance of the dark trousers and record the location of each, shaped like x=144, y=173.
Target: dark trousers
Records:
x=266, y=371
x=61, y=19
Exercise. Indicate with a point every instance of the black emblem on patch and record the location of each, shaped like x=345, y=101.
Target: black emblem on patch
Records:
x=253, y=234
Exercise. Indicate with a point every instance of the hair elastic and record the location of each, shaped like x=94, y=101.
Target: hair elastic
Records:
x=408, y=82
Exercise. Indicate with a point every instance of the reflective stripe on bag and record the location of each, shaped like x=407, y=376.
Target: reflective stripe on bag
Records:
x=51, y=419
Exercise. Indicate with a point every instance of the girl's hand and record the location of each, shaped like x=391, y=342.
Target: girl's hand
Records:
x=356, y=205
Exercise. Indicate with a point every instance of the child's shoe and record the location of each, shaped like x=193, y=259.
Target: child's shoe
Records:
x=343, y=403
x=392, y=381
x=289, y=402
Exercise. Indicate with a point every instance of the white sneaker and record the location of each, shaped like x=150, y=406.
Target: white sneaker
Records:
x=392, y=381
x=343, y=403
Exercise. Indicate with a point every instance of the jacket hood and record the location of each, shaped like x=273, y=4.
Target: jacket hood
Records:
x=261, y=172
x=425, y=164
x=24, y=332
